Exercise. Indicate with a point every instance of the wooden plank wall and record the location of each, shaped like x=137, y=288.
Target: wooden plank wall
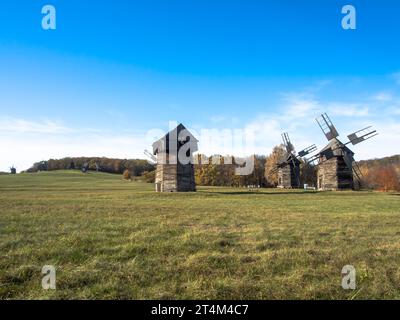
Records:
x=333, y=174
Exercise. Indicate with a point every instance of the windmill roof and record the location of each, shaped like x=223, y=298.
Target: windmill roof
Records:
x=337, y=147
x=163, y=144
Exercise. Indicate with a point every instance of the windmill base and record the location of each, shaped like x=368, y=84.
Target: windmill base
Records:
x=289, y=177
x=175, y=178
x=334, y=175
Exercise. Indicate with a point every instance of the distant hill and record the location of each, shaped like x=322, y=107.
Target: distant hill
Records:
x=381, y=162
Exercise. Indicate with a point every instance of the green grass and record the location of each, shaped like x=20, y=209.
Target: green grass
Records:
x=112, y=239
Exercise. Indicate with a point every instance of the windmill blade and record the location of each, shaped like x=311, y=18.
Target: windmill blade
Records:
x=327, y=126
x=285, y=163
x=322, y=156
x=274, y=170
x=151, y=156
x=279, y=165
x=328, y=153
x=357, y=173
x=282, y=164
x=307, y=151
x=353, y=165
x=286, y=141
x=313, y=159
x=361, y=135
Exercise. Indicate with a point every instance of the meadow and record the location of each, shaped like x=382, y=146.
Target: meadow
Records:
x=115, y=239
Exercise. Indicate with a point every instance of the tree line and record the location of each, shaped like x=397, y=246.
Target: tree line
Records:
x=263, y=175
x=381, y=174
x=217, y=171
x=378, y=174
x=136, y=167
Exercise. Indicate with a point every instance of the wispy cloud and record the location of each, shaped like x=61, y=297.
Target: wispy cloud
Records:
x=217, y=118
x=26, y=149
x=347, y=109
x=8, y=124
x=300, y=105
x=29, y=141
x=297, y=112
x=383, y=97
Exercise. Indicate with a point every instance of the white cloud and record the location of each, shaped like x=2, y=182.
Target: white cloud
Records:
x=27, y=141
x=300, y=105
x=24, y=149
x=8, y=124
x=347, y=109
x=263, y=133
x=217, y=118
x=386, y=143
x=297, y=113
x=383, y=97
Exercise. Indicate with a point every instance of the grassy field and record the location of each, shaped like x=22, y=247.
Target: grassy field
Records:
x=110, y=238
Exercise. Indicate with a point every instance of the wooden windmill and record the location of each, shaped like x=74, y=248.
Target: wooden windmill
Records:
x=85, y=168
x=175, y=173
x=337, y=168
x=13, y=170
x=289, y=168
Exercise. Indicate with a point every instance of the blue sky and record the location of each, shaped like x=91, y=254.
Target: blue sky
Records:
x=113, y=74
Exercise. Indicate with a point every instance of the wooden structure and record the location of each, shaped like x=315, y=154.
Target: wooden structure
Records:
x=175, y=168
x=13, y=170
x=289, y=173
x=288, y=169
x=337, y=169
x=335, y=173
x=85, y=168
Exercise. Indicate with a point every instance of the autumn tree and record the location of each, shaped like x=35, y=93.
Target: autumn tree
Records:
x=384, y=178
x=127, y=175
x=277, y=155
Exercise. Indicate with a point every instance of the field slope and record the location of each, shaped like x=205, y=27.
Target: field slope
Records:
x=110, y=238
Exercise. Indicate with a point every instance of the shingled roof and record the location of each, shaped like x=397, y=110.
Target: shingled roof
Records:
x=181, y=135
x=336, y=148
